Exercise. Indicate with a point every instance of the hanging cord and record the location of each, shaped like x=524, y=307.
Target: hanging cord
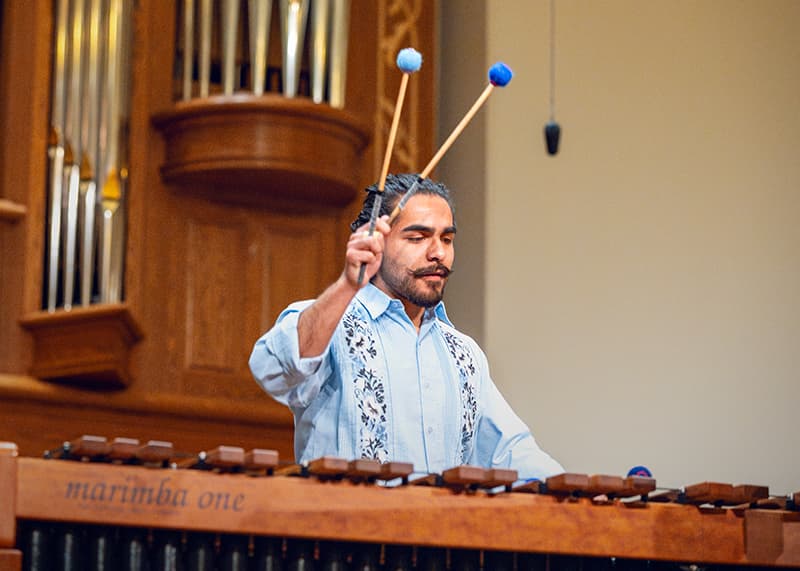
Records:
x=552, y=60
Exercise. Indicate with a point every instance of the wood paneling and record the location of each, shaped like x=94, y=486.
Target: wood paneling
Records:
x=24, y=80
x=215, y=265
x=294, y=250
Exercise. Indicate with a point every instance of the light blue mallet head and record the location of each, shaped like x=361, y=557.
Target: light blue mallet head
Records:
x=409, y=60
x=500, y=74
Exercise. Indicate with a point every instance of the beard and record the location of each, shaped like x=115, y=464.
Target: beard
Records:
x=411, y=285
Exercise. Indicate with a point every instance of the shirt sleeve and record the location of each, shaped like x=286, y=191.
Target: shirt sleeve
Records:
x=277, y=366
x=503, y=440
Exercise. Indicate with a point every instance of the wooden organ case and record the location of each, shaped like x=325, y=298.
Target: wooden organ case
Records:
x=237, y=204
x=121, y=505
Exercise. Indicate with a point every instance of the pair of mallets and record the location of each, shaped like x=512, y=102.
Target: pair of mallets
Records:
x=409, y=60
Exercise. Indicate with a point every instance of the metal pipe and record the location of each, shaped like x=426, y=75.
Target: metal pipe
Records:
x=260, y=12
x=110, y=192
x=72, y=136
x=206, y=14
x=320, y=34
x=294, y=17
x=90, y=133
x=188, y=47
x=230, y=33
x=55, y=152
x=340, y=34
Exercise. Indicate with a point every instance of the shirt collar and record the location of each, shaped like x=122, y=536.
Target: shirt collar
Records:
x=377, y=302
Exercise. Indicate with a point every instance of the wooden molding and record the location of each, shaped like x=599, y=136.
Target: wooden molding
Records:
x=87, y=345
x=30, y=390
x=36, y=414
x=10, y=559
x=8, y=482
x=256, y=149
x=11, y=211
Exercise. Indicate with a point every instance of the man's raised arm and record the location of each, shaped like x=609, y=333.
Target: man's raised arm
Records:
x=318, y=321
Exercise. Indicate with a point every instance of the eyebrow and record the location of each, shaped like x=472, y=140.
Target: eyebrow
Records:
x=428, y=229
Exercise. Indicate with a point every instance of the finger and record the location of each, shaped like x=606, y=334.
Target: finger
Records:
x=358, y=257
x=382, y=225
x=363, y=241
x=362, y=230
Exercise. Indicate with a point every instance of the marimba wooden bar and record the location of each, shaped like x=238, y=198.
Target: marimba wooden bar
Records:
x=318, y=514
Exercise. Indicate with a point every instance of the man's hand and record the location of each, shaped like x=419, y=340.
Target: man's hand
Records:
x=317, y=322
x=365, y=249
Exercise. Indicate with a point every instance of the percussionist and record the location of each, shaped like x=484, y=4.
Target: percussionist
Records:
x=375, y=369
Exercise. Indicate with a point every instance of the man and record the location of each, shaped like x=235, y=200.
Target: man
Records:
x=376, y=370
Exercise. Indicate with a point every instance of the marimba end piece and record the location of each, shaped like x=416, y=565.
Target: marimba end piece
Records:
x=259, y=459
x=773, y=503
x=8, y=449
x=364, y=468
x=392, y=470
x=637, y=486
x=88, y=446
x=225, y=457
x=567, y=483
x=328, y=466
x=464, y=475
x=155, y=452
x=123, y=449
x=603, y=484
x=499, y=477
x=709, y=493
x=748, y=493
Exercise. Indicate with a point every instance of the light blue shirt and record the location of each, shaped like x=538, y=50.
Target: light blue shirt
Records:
x=382, y=390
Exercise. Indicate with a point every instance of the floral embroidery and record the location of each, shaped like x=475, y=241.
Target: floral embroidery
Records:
x=368, y=388
x=465, y=363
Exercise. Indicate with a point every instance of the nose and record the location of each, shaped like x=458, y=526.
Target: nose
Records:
x=436, y=250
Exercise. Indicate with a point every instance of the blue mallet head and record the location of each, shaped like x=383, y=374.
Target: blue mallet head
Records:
x=409, y=60
x=640, y=471
x=500, y=74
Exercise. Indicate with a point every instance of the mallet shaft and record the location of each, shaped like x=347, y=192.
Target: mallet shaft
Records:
x=443, y=149
x=387, y=158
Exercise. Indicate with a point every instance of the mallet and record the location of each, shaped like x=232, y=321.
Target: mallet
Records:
x=409, y=60
x=499, y=76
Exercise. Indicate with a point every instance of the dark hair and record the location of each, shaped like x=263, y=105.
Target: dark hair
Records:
x=396, y=186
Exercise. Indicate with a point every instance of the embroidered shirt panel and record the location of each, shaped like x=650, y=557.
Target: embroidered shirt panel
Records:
x=415, y=413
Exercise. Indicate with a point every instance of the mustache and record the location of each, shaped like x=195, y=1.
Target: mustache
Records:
x=433, y=270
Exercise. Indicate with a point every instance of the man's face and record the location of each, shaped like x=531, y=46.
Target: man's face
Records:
x=418, y=253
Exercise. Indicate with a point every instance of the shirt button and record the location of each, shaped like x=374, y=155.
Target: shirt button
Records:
x=430, y=430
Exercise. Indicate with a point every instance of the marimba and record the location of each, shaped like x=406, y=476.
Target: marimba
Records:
x=122, y=505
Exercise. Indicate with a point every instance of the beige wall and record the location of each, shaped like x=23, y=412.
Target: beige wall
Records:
x=640, y=293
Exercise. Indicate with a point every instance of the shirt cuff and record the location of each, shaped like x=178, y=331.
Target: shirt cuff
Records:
x=285, y=345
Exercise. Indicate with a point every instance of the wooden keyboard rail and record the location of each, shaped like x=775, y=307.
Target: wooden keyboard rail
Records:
x=413, y=515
